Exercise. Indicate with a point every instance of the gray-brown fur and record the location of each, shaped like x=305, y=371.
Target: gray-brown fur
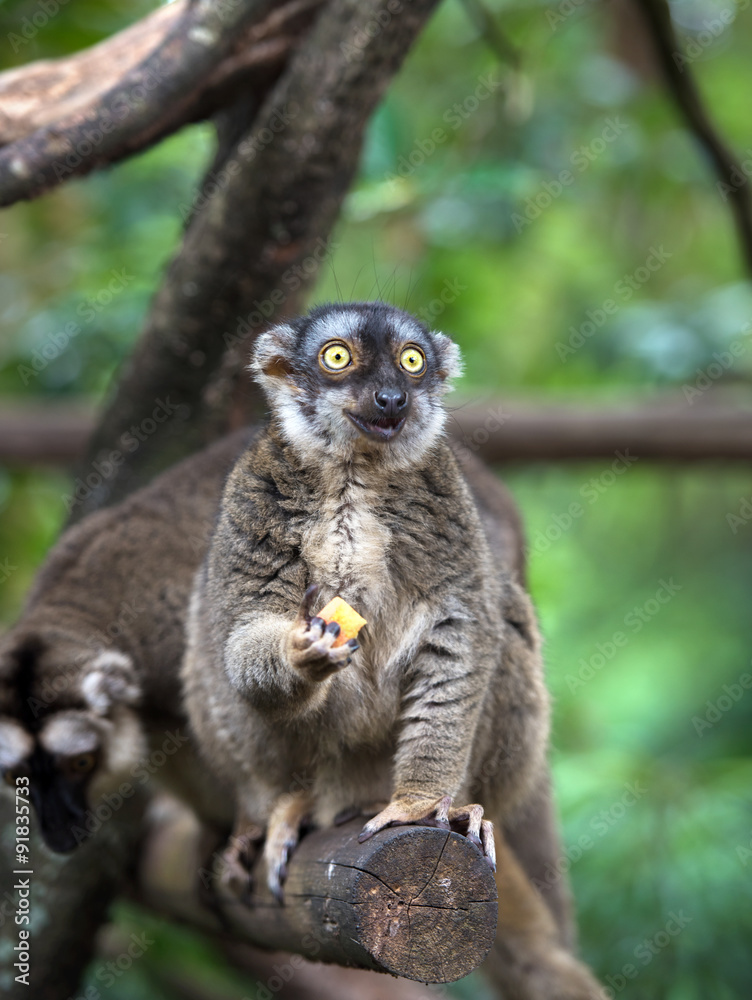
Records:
x=444, y=702
x=93, y=663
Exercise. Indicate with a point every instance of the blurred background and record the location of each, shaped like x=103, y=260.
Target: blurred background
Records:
x=461, y=214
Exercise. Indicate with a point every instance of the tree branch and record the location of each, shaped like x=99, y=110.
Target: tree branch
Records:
x=732, y=182
x=254, y=248
x=151, y=97
x=661, y=429
x=416, y=902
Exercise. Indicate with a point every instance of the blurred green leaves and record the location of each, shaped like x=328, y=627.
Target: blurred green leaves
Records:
x=431, y=225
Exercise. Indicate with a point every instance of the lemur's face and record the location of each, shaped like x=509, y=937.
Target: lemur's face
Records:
x=358, y=378
x=65, y=741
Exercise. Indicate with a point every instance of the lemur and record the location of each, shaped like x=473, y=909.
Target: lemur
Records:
x=89, y=676
x=353, y=491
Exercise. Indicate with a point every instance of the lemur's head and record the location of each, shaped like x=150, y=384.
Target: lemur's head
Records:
x=357, y=378
x=68, y=732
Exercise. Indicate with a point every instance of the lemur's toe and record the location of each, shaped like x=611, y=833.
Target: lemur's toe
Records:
x=465, y=820
x=410, y=812
x=468, y=821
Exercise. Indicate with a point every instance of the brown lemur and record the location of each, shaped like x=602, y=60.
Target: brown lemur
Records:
x=353, y=491
x=89, y=676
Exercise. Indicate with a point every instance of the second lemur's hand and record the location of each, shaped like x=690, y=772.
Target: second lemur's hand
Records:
x=310, y=643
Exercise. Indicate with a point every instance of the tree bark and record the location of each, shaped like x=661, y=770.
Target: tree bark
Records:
x=137, y=110
x=252, y=251
x=51, y=93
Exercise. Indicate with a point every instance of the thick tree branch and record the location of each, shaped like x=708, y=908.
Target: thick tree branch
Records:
x=151, y=97
x=413, y=901
x=732, y=181
x=253, y=249
x=43, y=93
x=662, y=429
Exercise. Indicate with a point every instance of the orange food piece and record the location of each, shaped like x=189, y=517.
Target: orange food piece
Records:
x=348, y=619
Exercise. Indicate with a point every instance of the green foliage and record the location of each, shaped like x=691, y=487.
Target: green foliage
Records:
x=533, y=217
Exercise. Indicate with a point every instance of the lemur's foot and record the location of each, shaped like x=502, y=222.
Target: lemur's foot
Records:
x=466, y=820
x=310, y=643
x=238, y=860
x=283, y=833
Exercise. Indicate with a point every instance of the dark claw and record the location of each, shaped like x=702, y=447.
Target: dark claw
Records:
x=363, y=837
x=333, y=628
x=474, y=840
x=317, y=625
x=491, y=865
x=353, y=644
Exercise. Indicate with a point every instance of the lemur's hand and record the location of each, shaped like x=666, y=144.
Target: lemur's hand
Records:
x=310, y=641
x=423, y=811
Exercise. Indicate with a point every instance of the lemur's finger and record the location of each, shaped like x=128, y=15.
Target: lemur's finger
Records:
x=304, y=611
x=489, y=844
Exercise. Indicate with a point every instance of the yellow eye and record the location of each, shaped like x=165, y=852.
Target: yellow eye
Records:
x=413, y=360
x=335, y=357
x=84, y=763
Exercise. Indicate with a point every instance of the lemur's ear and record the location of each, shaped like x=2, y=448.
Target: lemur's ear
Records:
x=111, y=680
x=272, y=352
x=450, y=358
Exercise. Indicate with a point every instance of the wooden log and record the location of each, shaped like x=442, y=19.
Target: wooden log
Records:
x=416, y=902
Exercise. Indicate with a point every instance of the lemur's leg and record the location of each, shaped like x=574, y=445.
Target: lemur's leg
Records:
x=240, y=856
x=282, y=835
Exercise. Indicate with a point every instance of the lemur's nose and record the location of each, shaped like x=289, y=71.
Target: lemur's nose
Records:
x=391, y=401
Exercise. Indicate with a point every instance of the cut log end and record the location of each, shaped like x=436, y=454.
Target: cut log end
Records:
x=416, y=902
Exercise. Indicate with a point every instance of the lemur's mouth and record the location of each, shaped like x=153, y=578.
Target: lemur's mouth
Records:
x=380, y=429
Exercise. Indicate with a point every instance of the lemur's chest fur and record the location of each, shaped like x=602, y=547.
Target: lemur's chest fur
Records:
x=346, y=547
